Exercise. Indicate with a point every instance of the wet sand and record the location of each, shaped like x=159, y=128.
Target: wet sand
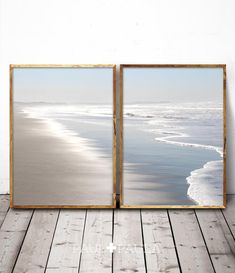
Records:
x=155, y=173
x=48, y=170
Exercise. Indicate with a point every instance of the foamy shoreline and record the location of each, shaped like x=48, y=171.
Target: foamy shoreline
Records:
x=198, y=178
x=204, y=184
x=178, y=124
x=165, y=139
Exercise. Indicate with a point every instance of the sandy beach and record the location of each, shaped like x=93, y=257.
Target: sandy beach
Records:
x=48, y=170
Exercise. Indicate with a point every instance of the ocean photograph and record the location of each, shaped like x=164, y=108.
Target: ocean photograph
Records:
x=63, y=136
x=172, y=136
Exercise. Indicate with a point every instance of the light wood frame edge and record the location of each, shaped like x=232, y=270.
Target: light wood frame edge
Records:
x=122, y=66
x=113, y=66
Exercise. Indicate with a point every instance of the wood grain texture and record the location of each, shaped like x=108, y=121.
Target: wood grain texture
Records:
x=35, y=250
x=11, y=134
x=203, y=241
x=224, y=134
x=190, y=245
x=121, y=136
x=4, y=206
x=175, y=65
x=170, y=207
x=63, y=206
x=114, y=137
x=98, y=234
x=219, y=240
x=129, y=255
x=67, y=242
x=229, y=213
x=12, y=234
x=159, y=244
x=62, y=65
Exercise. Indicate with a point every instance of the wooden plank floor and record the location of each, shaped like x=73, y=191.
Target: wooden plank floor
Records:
x=69, y=241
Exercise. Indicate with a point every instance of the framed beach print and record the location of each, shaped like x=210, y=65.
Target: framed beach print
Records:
x=62, y=136
x=173, y=136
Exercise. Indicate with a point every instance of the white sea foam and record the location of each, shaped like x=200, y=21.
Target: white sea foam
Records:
x=167, y=119
x=63, y=112
x=45, y=110
x=205, y=185
x=195, y=145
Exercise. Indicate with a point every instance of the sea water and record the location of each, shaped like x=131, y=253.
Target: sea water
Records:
x=172, y=152
x=176, y=150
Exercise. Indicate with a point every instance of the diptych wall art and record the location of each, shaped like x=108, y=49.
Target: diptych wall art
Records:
x=62, y=136
x=172, y=141
x=172, y=136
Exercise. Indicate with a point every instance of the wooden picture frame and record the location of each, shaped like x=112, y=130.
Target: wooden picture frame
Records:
x=123, y=68
x=112, y=67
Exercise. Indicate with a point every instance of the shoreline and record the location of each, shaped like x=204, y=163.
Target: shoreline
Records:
x=199, y=189
x=56, y=160
x=195, y=185
x=219, y=150
x=166, y=183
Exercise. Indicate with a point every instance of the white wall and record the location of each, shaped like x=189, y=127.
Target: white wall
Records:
x=116, y=31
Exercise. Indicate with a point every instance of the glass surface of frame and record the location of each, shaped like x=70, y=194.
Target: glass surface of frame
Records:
x=173, y=136
x=62, y=136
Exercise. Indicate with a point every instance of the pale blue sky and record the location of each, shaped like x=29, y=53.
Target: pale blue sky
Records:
x=172, y=84
x=79, y=85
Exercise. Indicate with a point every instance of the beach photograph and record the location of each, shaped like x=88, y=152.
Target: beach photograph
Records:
x=62, y=136
x=173, y=136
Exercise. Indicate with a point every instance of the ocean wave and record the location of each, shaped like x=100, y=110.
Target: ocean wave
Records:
x=166, y=139
x=205, y=186
x=172, y=114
